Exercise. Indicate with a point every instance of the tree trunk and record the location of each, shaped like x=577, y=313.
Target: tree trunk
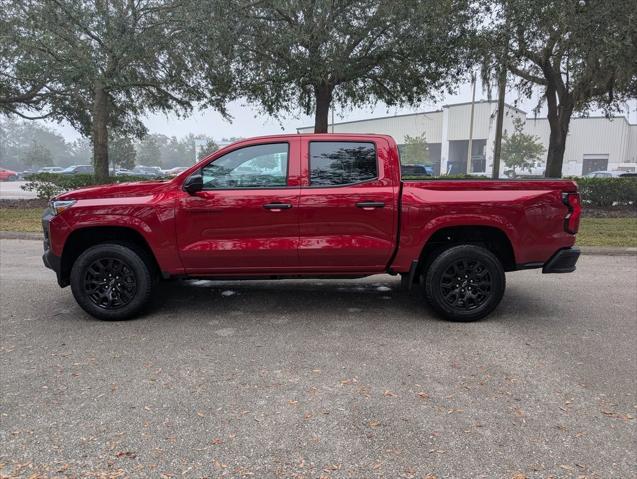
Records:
x=100, y=134
x=323, y=99
x=559, y=117
x=497, y=149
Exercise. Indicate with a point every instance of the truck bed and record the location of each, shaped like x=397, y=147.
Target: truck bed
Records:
x=530, y=212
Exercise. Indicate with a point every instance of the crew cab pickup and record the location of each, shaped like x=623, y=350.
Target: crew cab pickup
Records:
x=318, y=205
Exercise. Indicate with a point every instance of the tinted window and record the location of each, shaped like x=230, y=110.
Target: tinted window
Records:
x=341, y=163
x=414, y=170
x=258, y=166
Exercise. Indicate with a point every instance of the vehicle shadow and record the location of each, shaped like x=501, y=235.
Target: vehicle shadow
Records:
x=374, y=299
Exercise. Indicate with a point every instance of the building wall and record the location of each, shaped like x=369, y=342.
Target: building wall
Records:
x=587, y=137
x=631, y=155
x=397, y=126
x=460, y=119
x=614, y=137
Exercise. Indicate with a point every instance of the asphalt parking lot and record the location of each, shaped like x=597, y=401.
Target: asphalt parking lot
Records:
x=12, y=190
x=320, y=379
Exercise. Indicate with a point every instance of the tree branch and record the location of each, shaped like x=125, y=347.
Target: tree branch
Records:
x=526, y=75
x=30, y=96
x=10, y=110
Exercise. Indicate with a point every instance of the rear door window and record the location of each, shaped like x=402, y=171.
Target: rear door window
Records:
x=336, y=163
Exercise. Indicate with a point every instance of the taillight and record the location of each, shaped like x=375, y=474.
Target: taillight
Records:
x=571, y=220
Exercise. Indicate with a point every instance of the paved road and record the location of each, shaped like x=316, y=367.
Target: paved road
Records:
x=10, y=190
x=321, y=378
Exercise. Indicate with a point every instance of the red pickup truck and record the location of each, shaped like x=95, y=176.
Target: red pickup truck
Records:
x=327, y=205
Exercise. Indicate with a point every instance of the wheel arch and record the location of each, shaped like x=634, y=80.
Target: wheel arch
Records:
x=83, y=238
x=491, y=237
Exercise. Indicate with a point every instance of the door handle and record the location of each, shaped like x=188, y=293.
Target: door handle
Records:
x=368, y=205
x=277, y=206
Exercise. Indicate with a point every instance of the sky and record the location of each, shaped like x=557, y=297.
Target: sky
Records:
x=248, y=121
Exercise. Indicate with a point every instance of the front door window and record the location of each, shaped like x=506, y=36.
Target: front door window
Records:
x=258, y=166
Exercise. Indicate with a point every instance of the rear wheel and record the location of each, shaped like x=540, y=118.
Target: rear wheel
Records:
x=111, y=281
x=465, y=283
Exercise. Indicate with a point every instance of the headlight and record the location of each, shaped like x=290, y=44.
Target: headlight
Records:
x=57, y=206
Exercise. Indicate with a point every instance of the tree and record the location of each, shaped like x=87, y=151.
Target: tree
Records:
x=176, y=153
x=37, y=155
x=415, y=150
x=149, y=151
x=18, y=139
x=168, y=152
x=581, y=53
x=122, y=152
x=521, y=150
x=309, y=54
x=81, y=153
x=101, y=64
x=24, y=84
x=209, y=147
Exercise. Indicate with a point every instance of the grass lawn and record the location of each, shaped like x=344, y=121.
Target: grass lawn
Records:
x=24, y=220
x=592, y=232
x=607, y=232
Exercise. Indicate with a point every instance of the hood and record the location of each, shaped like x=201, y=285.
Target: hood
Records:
x=115, y=190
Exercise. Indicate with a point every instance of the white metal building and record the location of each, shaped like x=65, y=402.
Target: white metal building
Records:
x=594, y=143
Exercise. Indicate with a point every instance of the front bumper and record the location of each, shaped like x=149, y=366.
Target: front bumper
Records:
x=49, y=259
x=563, y=261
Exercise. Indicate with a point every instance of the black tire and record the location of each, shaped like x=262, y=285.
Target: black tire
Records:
x=404, y=281
x=96, y=276
x=465, y=283
x=12, y=178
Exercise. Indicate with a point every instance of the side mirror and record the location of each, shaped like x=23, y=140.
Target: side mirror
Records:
x=193, y=183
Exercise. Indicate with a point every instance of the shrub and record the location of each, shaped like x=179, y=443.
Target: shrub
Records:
x=48, y=185
x=607, y=192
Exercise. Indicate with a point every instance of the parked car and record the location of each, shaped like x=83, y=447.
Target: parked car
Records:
x=416, y=170
x=24, y=175
x=150, y=171
x=8, y=175
x=610, y=174
x=336, y=206
x=51, y=169
x=174, y=171
x=123, y=172
x=600, y=174
x=78, y=169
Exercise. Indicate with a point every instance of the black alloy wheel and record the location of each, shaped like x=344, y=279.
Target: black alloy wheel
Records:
x=464, y=282
x=110, y=283
x=113, y=281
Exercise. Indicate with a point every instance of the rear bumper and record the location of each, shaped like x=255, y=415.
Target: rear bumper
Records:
x=562, y=262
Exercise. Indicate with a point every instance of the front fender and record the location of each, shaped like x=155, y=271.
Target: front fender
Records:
x=155, y=224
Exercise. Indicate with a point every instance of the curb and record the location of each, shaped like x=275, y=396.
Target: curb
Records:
x=608, y=251
x=586, y=250
x=21, y=235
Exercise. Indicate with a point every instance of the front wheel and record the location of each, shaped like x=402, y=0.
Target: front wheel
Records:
x=465, y=283
x=111, y=281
